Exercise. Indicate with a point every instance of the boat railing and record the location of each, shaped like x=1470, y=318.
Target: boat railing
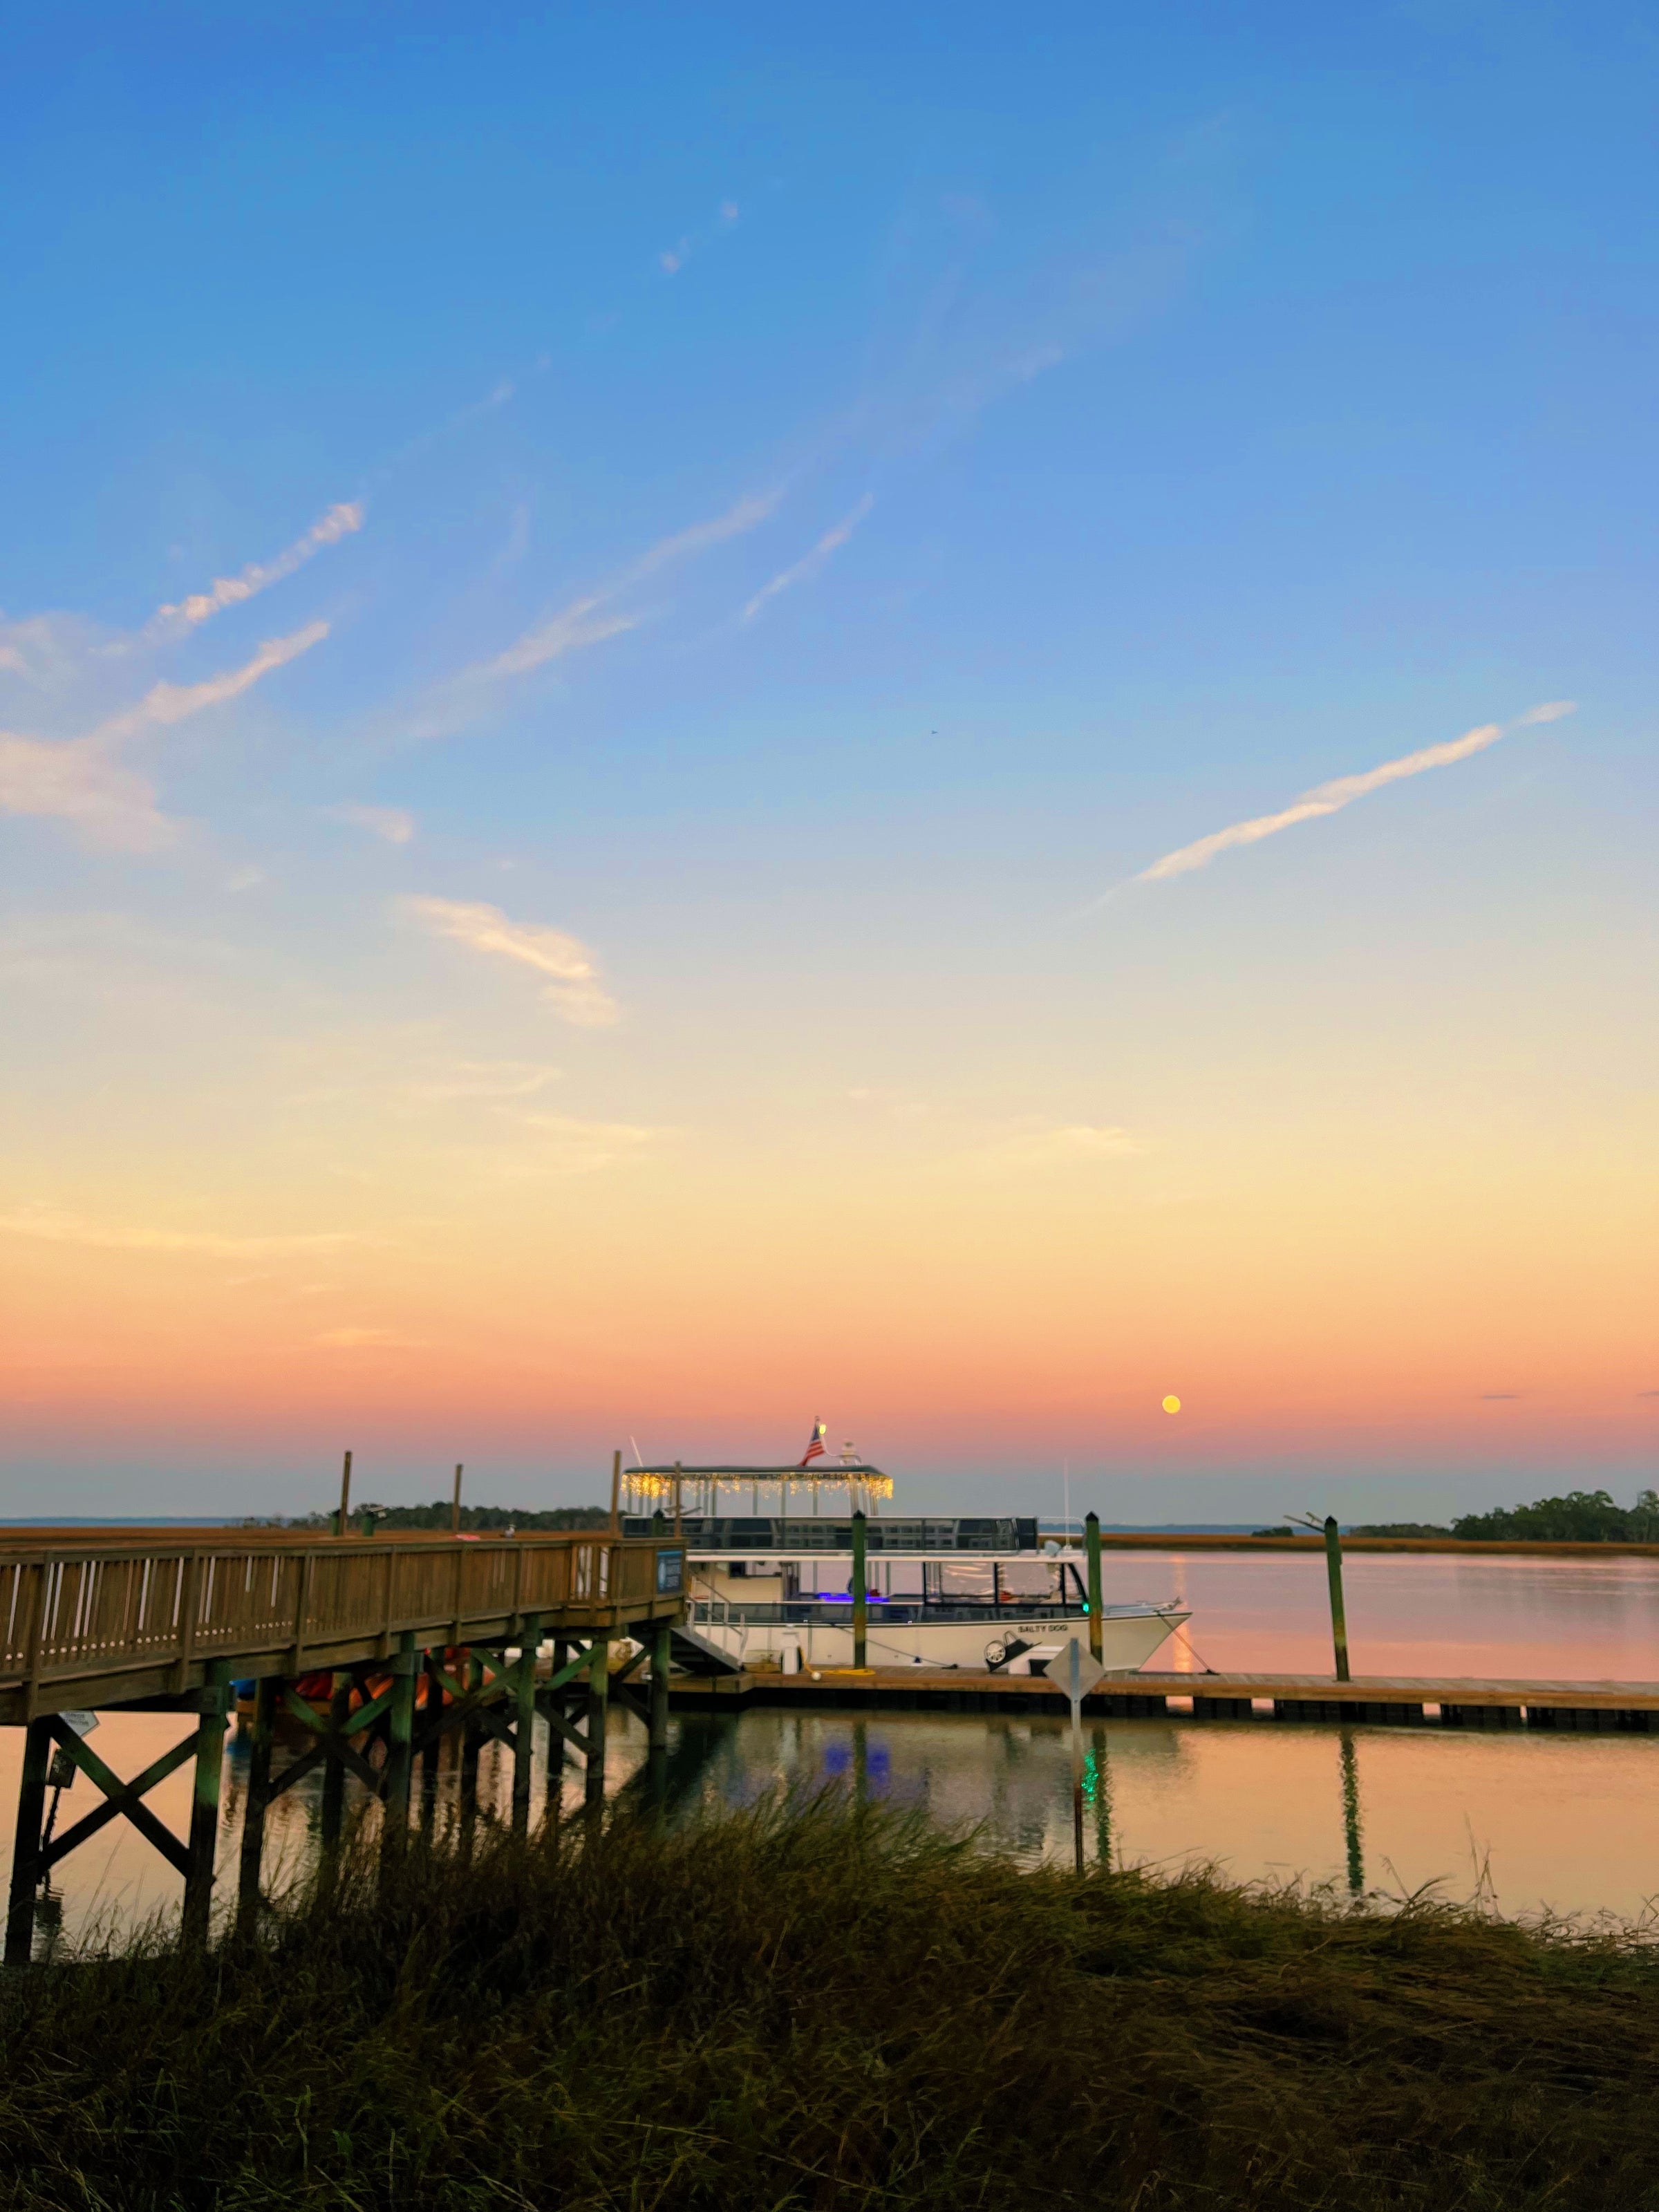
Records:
x=893, y=1612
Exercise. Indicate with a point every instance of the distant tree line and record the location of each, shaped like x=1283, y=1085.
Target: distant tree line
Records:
x=1582, y=1517
x=439, y=1515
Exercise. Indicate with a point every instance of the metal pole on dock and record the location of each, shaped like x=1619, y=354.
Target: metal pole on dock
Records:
x=345, y=1495
x=860, y=1596
x=1092, y=1545
x=1338, y=1615
x=455, y=1510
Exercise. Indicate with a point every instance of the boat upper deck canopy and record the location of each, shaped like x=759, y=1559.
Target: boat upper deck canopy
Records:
x=746, y=1535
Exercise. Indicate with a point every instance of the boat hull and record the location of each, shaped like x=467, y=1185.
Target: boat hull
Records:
x=1129, y=1636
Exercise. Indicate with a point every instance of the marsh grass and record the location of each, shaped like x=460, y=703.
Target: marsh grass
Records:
x=810, y=2005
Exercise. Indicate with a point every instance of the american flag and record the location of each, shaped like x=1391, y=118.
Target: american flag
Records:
x=815, y=1449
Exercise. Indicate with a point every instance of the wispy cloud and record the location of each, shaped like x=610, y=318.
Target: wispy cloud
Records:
x=167, y=703
x=492, y=1081
x=76, y=781
x=1070, y=1144
x=809, y=565
x=575, y=992
x=174, y=621
x=1341, y=791
x=395, y=824
x=83, y=781
x=568, y=1146
x=594, y=618
x=50, y=1226
x=580, y=624
x=674, y=258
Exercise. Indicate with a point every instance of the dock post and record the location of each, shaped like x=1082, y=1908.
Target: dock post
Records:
x=333, y=1806
x=524, y=1729
x=471, y=1744
x=266, y=1690
x=1338, y=1615
x=599, y=1701
x=558, y=1756
x=340, y=1524
x=400, y=1742
x=1092, y=1545
x=860, y=1596
x=432, y=1748
x=204, y=1807
x=26, y=1851
x=661, y=1640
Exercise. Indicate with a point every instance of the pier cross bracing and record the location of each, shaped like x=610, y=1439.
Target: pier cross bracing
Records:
x=416, y=1636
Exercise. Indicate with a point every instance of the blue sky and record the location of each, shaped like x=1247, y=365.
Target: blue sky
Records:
x=828, y=501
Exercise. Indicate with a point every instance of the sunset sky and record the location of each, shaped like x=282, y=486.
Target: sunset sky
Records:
x=939, y=717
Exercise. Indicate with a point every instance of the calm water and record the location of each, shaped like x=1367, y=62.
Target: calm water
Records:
x=1567, y=1822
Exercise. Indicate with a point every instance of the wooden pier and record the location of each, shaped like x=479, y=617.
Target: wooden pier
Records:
x=95, y=1620
x=1398, y=1700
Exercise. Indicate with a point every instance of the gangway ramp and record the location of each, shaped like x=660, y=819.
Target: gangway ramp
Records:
x=699, y=1655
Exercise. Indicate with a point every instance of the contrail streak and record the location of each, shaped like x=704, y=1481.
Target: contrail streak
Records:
x=1341, y=791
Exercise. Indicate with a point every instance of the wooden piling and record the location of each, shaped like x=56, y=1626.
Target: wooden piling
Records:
x=616, y=1492
x=202, y=1847
x=400, y=1739
x=599, y=1703
x=471, y=1744
x=455, y=1510
x=25, y=1849
x=1339, y=1613
x=266, y=1691
x=333, y=1805
x=344, y=1522
x=860, y=1593
x=432, y=1745
x=1092, y=1545
x=661, y=1641
x=524, y=1726
x=558, y=1756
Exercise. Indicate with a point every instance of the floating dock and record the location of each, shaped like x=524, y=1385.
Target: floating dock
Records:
x=1396, y=1701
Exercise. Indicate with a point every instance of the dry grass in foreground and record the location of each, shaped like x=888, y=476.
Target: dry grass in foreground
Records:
x=809, y=2006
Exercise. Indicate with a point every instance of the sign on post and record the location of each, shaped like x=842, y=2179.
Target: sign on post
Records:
x=1075, y=1669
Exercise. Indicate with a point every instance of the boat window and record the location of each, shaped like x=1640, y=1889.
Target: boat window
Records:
x=1032, y=1578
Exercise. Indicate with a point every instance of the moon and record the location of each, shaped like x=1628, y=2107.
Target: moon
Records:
x=1172, y=1405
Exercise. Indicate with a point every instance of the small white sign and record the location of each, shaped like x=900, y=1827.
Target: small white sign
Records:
x=83, y=1723
x=1075, y=1670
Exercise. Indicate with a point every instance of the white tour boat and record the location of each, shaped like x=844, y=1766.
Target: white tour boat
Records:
x=976, y=1592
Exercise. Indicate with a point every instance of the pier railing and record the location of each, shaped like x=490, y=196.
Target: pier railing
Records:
x=107, y=1619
